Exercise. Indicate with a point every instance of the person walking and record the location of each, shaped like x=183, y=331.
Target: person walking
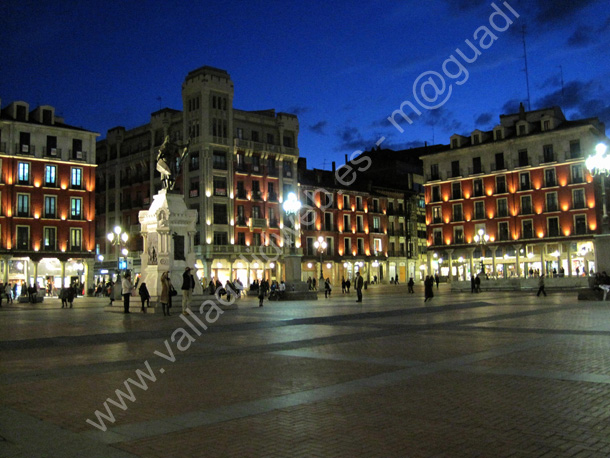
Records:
x=410, y=285
x=359, y=286
x=343, y=285
x=541, y=286
x=428, y=288
x=473, y=286
x=144, y=296
x=477, y=284
x=436, y=279
x=9, y=293
x=126, y=288
x=188, y=285
x=261, y=295
x=71, y=293
x=327, y=288
x=166, y=298
x=348, y=285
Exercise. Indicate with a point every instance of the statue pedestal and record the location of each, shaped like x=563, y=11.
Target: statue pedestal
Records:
x=168, y=229
x=296, y=289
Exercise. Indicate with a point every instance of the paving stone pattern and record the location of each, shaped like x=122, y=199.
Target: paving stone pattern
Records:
x=485, y=375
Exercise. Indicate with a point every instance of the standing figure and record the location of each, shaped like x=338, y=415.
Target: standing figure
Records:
x=428, y=288
x=410, y=285
x=126, y=288
x=188, y=285
x=9, y=293
x=437, y=279
x=343, y=285
x=541, y=286
x=348, y=284
x=359, y=285
x=144, y=296
x=165, y=298
x=327, y=288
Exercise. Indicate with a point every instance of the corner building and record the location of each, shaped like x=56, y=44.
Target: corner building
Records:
x=514, y=199
x=240, y=167
x=47, y=185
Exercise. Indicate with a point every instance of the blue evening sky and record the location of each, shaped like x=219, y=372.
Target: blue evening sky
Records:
x=343, y=67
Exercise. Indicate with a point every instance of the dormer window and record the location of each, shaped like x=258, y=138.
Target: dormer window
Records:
x=476, y=139
x=498, y=134
x=21, y=113
x=546, y=125
x=454, y=143
x=521, y=129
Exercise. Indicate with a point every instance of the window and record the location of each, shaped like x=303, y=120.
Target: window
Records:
x=76, y=204
x=219, y=160
x=524, y=181
x=359, y=223
x=23, y=173
x=546, y=125
x=502, y=208
x=347, y=246
x=270, y=139
x=436, y=215
x=346, y=223
x=454, y=143
x=578, y=198
x=500, y=161
x=526, y=205
x=287, y=169
x=23, y=205
x=271, y=194
x=577, y=175
x=549, y=178
x=77, y=149
x=456, y=191
x=498, y=134
x=580, y=224
x=256, y=190
x=241, y=216
x=476, y=139
x=241, y=190
x=501, y=184
x=477, y=187
x=575, y=151
x=51, y=149
x=455, y=169
x=479, y=209
x=503, y=230
x=220, y=214
x=434, y=175
x=377, y=245
x=23, y=237
x=359, y=204
x=437, y=236
x=551, y=202
x=194, y=161
x=256, y=212
x=547, y=153
x=523, y=159
x=458, y=234
x=553, y=226
x=24, y=143
x=50, y=175
x=220, y=238
x=240, y=133
x=50, y=206
x=220, y=186
x=527, y=228
x=376, y=224
x=76, y=180
x=241, y=238
x=360, y=246
x=521, y=129
x=254, y=135
x=457, y=212
x=76, y=237
x=49, y=238
x=256, y=163
x=476, y=165
x=346, y=202
x=436, y=193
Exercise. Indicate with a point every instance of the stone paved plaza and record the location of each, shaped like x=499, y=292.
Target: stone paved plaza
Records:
x=492, y=375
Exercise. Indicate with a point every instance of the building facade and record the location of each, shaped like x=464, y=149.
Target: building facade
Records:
x=47, y=185
x=240, y=167
x=514, y=200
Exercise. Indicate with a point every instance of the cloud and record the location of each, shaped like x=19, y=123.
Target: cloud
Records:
x=298, y=110
x=351, y=139
x=552, y=12
x=585, y=98
x=484, y=119
x=582, y=36
x=511, y=106
x=443, y=118
x=319, y=128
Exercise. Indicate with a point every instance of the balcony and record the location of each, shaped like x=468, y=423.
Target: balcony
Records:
x=579, y=204
x=287, y=173
x=547, y=157
x=257, y=195
x=241, y=194
x=273, y=172
x=274, y=224
x=78, y=155
x=220, y=192
x=257, y=170
x=194, y=193
x=272, y=197
x=258, y=223
x=241, y=221
x=51, y=152
x=22, y=148
x=2, y=147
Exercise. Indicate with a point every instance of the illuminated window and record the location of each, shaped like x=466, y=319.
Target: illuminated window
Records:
x=76, y=180
x=49, y=238
x=76, y=207
x=23, y=205
x=458, y=234
x=436, y=215
x=76, y=239
x=50, y=175
x=23, y=173
x=577, y=175
x=50, y=206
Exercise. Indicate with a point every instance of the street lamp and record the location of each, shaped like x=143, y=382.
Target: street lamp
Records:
x=481, y=238
x=599, y=164
x=118, y=238
x=320, y=245
x=291, y=206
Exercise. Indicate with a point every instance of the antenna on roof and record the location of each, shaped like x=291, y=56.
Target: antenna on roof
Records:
x=527, y=79
x=561, y=74
x=160, y=102
x=324, y=164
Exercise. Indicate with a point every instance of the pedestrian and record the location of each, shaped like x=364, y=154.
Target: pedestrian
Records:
x=348, y=285
x=343, y=285
x=71, y=293
x=428, y=288
x=577, y=271
x=437, y=279
x=166, y=298
x=126, y=288
x=473, y=286
x=63, y=295
x=541, y=286
x=314, y=285
x=261, y=295
x=327, y=288
x=9, y=293
x=410, y=285
x=477, y=284
x=144, y=296
x=188, y=285
x=359, y=284
x=396, y=280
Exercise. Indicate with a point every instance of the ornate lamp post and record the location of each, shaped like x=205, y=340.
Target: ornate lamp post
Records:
x=118, y=238
x=481, y=238
x=320, y=245
x=291, y=207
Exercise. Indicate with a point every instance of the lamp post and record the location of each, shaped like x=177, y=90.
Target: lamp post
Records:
x=320, y=245
x=599, y=164
x=481, y=238
x=118, y=238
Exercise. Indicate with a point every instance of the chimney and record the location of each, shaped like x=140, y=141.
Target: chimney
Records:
x=333, y=166
x=346, y=158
